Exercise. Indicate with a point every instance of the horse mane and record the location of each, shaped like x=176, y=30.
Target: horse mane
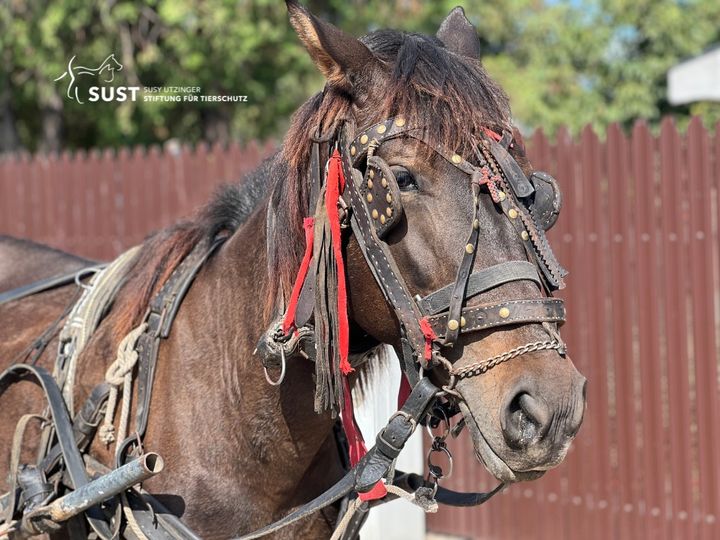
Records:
x=429, y=85
x=164, y=250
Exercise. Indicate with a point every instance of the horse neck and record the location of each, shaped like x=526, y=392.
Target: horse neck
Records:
x=284, y=417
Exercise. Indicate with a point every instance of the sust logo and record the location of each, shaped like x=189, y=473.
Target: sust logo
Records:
x=104, y=73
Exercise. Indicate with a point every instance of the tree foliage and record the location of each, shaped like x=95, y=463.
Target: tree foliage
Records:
x=563, y=62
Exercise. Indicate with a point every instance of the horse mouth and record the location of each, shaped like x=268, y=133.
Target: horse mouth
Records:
x=490, y=459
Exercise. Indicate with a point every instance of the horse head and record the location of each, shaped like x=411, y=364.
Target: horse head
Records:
x=111, y=65
x=447, y=193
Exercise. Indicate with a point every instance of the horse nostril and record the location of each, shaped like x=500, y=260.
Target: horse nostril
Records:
x=525, y=417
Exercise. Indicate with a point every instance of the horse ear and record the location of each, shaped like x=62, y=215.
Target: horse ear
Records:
x=336, y=54
x=459, y=35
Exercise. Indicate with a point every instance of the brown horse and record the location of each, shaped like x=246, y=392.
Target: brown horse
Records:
x=238, y=452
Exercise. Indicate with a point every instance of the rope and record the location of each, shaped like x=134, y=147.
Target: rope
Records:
x=428, y=506
x=120, y=374
x=86, y=316
x=131, y=521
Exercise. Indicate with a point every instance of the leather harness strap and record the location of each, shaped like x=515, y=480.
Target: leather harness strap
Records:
x=480, y=282
x=46, y=284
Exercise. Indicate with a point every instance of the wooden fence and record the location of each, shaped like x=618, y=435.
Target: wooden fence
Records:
x=639, y=233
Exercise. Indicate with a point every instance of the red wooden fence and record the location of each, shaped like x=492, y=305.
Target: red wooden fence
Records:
x=639, y=233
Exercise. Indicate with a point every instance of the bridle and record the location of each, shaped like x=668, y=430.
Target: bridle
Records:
x=371, y=204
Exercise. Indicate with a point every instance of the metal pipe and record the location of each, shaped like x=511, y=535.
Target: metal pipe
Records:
x=96, y=491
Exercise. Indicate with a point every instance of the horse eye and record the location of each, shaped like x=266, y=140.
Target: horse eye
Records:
x=405, y=179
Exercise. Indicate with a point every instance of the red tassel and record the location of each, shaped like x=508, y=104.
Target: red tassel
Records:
x=430, y=336
x=289, y=321
x=335, y=186
x=490, y=133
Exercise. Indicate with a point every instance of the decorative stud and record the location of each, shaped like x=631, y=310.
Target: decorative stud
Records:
x=384, y=182
x=369, y=184
x=364, y=139
x=524, y=235
x=372, y=173
x=369, y=197
x=463, y=322
x=469, y=248
x=388, y=211
x=374, y=214
x=388, y=198
x=381, y=129
x=512, y=213
x=504, y=313
x=382, y=220
x=456, y=159
x=476, y=224
x=501, y=196
x=352, y=150
x=453, y=324
x=400, y=122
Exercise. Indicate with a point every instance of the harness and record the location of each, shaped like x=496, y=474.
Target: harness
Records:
x=351, y=187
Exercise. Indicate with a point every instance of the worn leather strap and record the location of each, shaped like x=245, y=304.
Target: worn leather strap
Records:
x=488, y=316
x=514, y=174
x=161, y=314
x=45, y=284
x=63, y=430
x=480, y=282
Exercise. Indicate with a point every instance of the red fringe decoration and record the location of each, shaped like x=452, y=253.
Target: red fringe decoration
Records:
x=289, y=321
x=335, y=186
x=430, y=336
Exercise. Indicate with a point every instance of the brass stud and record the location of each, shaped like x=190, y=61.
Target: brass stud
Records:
x=382, y=220
x=352, y=150
x=501, y=195
x=524, y=235
x=372, y=173
x=388, y=211
x=369, y=197
x=463, y=322
x=369, y=184
x=364, y=139
x=469, y=248
x=381, y=128
x=388, y=198
x=512, y=213
x=504, y=313
x=384, y=182
x=400, y=122
x=374, y=214
x=476, y=224
x=453, y=324
x=456, y=158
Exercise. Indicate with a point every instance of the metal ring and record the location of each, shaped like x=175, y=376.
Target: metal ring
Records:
x=432, y=466
x=282, y=370
x=84, y=272
x=444, y=419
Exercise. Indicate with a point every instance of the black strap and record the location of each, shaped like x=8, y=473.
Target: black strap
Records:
x=45, y=284
x=63, y=430
x=514, y=174
x=481, y=281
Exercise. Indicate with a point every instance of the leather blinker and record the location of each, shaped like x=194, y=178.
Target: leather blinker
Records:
x=546, y=201
x=382, y=195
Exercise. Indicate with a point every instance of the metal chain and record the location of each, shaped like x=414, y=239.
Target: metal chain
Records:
x=481, y=367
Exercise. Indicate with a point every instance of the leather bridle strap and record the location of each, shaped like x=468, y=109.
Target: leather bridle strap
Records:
x=47, y=284
x=480, y=282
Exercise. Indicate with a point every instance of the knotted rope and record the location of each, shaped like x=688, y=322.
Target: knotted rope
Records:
x=120, y=374
x=427, y=504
